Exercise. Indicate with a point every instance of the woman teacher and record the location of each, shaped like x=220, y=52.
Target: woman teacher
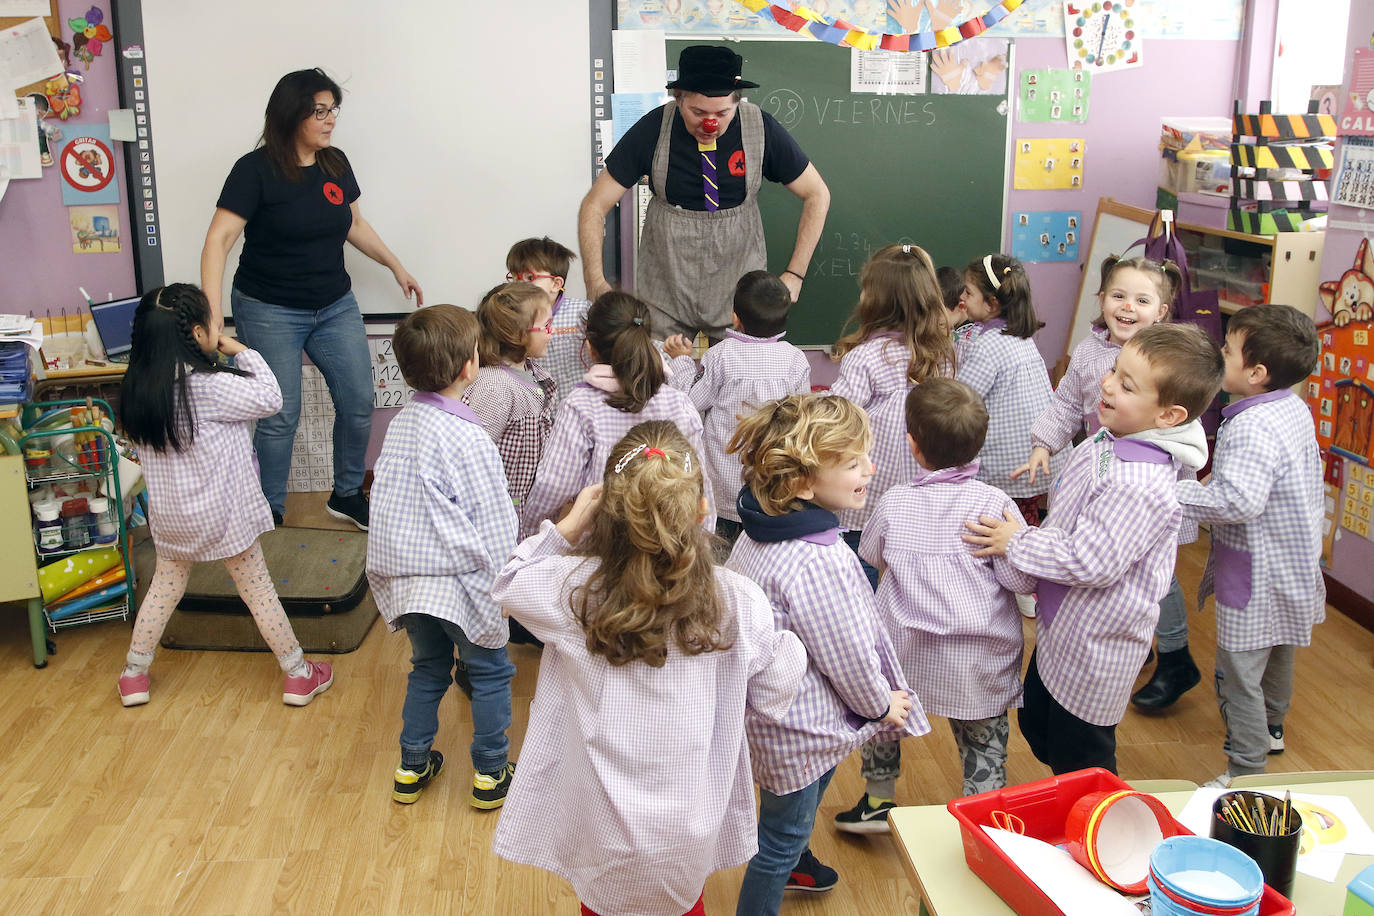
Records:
x=706, y=154
x=295, y=201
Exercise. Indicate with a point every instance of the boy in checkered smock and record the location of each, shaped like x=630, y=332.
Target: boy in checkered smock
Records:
x=751, y=366
x=902, y=339
x=1264, y=505
x=442, y=526
x=952, y=616
x=805, y=458
x=634, y=774
x=625, y=386
x=545, y=263
x=1105, y=553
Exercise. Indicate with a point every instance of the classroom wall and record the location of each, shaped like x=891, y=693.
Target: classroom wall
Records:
x=1352, y=557
x=1121, y=155
x=39, y=272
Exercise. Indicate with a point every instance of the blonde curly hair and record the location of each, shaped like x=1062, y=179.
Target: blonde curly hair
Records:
x=784, y=443
x=656, y=578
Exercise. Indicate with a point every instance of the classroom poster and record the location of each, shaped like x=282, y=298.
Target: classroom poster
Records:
x=1355, y=183
x=1049, y=165
x=970, y=68
x=1103, y=36
x=1357, y=112
x=95, y=230
x=1054, y=95
x=87, y=164
x=1047, y=235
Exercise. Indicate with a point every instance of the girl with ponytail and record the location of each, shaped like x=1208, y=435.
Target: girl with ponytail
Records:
x=653, y=658
x=624, y=387
x=189, y=412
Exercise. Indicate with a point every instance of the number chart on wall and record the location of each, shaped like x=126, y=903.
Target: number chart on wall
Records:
x=389, y=389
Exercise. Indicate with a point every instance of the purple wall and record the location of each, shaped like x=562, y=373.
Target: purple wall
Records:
x=1352, y=557
x=1180, y=78
x=40, y=272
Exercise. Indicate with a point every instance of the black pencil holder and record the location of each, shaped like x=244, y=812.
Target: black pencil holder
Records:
x=1277, y=856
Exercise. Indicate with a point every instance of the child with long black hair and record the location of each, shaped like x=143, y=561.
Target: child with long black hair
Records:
x=189, y=414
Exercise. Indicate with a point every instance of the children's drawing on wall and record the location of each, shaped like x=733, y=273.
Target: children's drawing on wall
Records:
x=1352, y=296
x=89, y=35
x=48, y=133
x=64, y=97
x=1102, y=36
x=95, y=230
x=977, y=67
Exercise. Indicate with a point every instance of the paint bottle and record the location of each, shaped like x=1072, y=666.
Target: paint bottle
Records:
x=48, y=527
x=76, y=524
x=106, y=524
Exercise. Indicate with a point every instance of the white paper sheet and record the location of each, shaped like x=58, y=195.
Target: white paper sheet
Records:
x=628, y=107
x=887, y=72
x=641, y=60
x=10, y=9
x=122, y=124
x=9, y=105
x=19, y=154
x=1323, y=860
x=27, y=55
x=1071, y=886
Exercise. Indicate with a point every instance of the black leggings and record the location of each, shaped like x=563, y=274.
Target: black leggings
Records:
x=1057, y=737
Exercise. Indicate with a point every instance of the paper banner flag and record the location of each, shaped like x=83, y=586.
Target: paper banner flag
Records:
x=805, y=21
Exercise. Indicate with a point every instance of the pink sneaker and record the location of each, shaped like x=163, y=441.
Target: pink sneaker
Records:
x=301, y=690
x=133, y=691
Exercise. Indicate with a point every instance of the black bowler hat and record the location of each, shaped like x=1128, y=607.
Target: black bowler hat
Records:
x=709, y=70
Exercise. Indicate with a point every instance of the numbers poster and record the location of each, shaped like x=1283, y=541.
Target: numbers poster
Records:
x=388, y=387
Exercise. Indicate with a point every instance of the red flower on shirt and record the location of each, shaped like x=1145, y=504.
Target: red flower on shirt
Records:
x=737, y=163
x=333, y=193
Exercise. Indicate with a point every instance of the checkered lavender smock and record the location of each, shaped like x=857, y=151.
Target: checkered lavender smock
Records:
x=634, y=782
x=1264, y=503
x=1104, y=555
x=952, y=616
x=819, y=592
x=583, y=434
x=563, y=358
x=517, y=412
x=206, y=503
x=739, y=375
x=873, y=376
x=441, y=521
x=1009, y=375
x=1074, y=405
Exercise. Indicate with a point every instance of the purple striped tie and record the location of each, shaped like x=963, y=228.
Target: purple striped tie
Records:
x=708, y=176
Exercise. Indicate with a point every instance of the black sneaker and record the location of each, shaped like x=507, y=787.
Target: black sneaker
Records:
x=489, y=789
x=348, y=508
x=810, y=875
x=1276, y=739
x=409, y=783
x=865, y=817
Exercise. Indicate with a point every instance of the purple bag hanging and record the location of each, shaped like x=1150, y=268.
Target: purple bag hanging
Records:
x=1191, y=306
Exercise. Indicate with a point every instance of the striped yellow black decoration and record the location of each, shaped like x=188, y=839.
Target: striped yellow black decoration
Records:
x=1252, y=189
x=1285, y=127
x=1263, y=223
x=1308, y=158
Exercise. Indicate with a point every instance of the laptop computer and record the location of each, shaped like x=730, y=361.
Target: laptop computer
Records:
x=114, y=322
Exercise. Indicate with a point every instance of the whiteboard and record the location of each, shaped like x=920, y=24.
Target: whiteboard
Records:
x=1116, y=227
x=468, y=126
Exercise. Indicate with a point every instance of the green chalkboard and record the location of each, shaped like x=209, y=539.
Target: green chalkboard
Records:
x=928, y=169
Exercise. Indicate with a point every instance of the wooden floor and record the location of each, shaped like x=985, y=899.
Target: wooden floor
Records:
x=216, y=798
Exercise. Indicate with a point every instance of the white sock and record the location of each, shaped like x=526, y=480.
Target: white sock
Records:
x=136, y=663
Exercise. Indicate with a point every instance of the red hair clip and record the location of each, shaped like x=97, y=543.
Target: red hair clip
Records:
x=655, y=453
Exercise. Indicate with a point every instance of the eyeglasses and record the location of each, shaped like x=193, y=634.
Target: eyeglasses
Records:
x=322, y=113
x=527, y=276
x=546, y=327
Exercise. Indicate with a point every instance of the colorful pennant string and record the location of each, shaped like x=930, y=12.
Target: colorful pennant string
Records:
x=805, y=21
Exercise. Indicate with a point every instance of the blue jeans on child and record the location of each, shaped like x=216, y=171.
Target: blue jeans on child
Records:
x=785, y=823
x=336, y=342
x=433, y=643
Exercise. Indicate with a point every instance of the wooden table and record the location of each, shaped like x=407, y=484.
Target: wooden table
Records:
x=18, y=568
x=932, y=851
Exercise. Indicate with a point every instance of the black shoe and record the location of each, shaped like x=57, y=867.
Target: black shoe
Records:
x=810, y=875
x=521, y=636
x=410, y=783
x=489, y=789
x=865, y=817
x=277, y=518
x=1174, y=676
x=348, y=508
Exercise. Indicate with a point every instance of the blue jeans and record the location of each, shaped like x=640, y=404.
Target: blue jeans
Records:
x=432, y=644
x=785, y=823
x=336, y=341
x=1171, y=633
x=870, y=572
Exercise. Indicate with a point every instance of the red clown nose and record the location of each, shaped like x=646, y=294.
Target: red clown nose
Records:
x=709, y=125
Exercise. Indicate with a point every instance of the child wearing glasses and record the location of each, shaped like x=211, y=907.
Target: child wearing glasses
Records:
x=545, y=263
x=513, y=394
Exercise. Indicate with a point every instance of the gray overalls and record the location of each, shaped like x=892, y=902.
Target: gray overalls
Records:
x=690, y=260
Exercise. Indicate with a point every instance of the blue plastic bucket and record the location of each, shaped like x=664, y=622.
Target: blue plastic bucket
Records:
x=1195, y=874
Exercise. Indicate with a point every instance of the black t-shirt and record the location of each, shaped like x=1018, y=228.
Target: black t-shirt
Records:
x=633, y=156
x=293, y=243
